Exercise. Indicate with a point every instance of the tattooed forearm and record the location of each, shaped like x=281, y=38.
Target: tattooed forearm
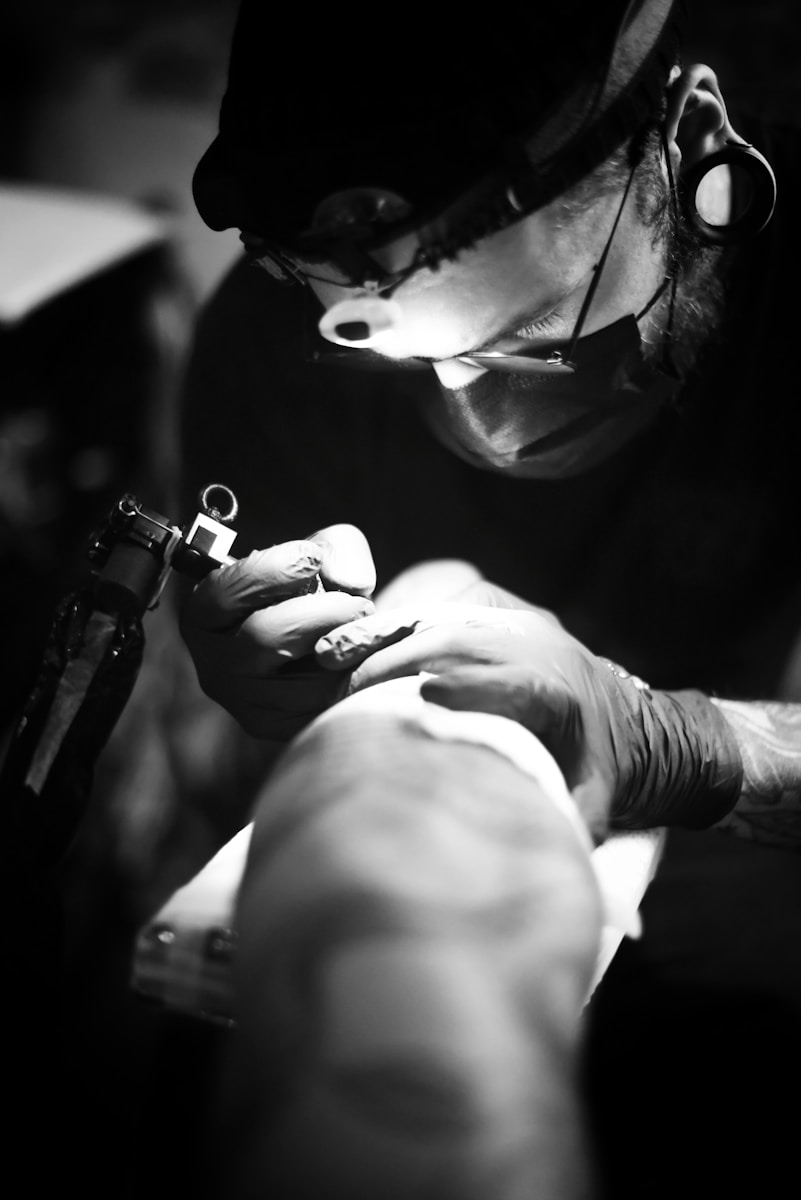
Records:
x=769, y=738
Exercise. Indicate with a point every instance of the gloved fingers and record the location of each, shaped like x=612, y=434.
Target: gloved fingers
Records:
x=548, y=709
x=537, y=702
x=346, y=559
x=273, y=636
x=507, y=691
x=293, y=627
x=223, y=598
x=351, y=644
x=429, y=650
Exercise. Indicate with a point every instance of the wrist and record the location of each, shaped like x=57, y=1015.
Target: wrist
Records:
x=717, y=759
x=691, y=772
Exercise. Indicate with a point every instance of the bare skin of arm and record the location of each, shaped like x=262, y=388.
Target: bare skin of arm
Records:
x=418, y=927
x=769, y=738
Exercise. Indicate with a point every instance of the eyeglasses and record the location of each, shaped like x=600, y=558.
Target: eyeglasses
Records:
x=555, y=360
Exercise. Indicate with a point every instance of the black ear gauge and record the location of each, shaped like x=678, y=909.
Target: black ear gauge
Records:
x=752, y=177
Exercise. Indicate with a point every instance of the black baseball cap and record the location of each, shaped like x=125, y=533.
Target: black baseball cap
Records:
x=427, y=103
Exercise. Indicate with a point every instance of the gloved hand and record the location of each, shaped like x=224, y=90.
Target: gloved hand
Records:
x=250, y=628
x=633, y=757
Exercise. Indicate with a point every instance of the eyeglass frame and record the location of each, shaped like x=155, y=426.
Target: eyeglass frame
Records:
x=557, y=362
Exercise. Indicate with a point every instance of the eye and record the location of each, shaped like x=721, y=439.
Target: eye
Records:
x=541, y=328
x=543, y=334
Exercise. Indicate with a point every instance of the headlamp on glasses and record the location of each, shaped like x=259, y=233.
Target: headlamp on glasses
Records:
x=493, y=129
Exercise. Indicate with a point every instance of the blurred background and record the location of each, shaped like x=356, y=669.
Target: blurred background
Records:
x=119, y=97
x=107, y=106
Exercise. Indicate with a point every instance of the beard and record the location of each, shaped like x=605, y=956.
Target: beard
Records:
x=698, y=309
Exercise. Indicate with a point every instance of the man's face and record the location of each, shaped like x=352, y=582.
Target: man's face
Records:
x=516, y=290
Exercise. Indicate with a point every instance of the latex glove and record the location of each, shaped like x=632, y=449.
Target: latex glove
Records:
x=633, y=757
x=250, y=628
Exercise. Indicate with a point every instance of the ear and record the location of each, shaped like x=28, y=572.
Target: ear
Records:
x=696, y=122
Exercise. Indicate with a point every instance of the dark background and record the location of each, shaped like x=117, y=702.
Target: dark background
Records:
x=119, y=98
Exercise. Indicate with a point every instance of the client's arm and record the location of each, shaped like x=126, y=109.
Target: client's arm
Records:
x=418, y=927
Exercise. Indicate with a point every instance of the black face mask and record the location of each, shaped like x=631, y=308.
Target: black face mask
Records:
x=544, y=425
